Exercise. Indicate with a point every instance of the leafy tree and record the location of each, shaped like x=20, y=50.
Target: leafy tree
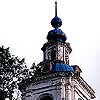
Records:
x=34, y=72
x=12, y=71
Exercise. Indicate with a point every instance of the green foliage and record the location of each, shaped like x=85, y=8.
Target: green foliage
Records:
x=14, y=74
x=33, y=73
x=12, y=71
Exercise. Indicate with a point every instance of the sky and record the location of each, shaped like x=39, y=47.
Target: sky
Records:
x=24, y=25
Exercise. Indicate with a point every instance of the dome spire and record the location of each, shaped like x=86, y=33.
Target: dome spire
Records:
x=56, y=34
x=56, y=22
x=56, y=8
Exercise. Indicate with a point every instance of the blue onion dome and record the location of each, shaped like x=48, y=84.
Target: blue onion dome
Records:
x=56, y=35
x=56, y=22
x=61, y=67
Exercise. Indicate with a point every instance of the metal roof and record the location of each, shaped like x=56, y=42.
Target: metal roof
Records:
x=60, y=67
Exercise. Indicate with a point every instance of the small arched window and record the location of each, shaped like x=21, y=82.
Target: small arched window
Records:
x=46, y=98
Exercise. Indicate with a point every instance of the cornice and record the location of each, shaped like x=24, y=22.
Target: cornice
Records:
x=86, y=87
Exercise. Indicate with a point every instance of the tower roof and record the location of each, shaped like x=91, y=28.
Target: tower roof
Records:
x=56, y=34
x=61, y=67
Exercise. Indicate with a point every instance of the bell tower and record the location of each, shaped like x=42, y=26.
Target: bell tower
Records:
x=56, y=79
x=56, y=50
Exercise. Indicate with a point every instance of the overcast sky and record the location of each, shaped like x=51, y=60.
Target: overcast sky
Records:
x=24, y=25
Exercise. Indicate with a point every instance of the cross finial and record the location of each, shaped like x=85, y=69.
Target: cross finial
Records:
x=56, y=8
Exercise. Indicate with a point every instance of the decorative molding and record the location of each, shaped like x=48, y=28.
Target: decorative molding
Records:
x=86, y=87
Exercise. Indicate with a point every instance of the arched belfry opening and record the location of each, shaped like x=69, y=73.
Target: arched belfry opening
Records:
x=53, y=55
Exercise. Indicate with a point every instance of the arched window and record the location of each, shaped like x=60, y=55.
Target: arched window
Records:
x=46, y=98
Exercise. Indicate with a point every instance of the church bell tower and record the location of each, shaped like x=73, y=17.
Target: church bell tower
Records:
x=56, y=79
x=56, y=51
